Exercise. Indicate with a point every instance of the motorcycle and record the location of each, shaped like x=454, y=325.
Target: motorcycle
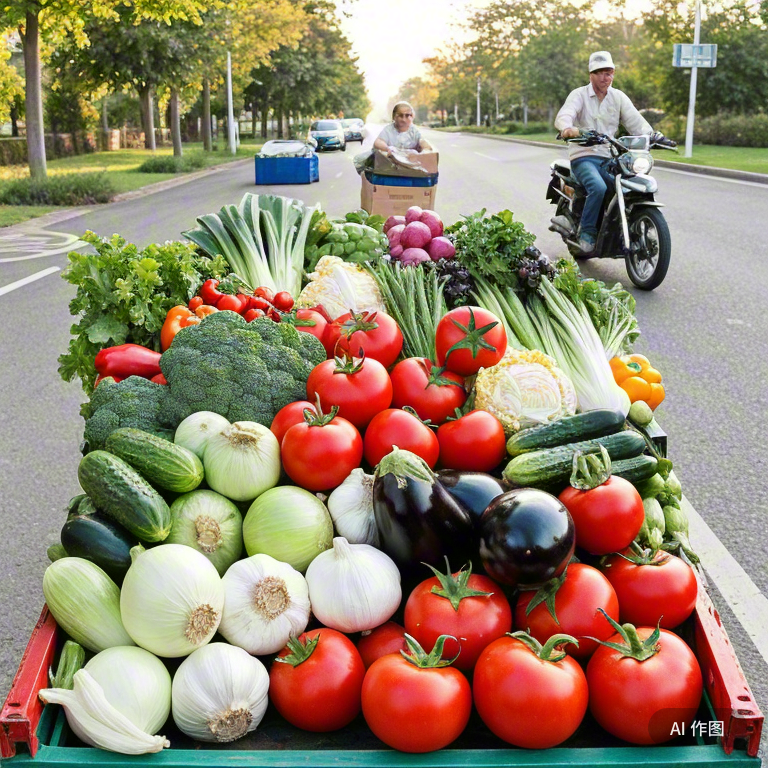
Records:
x=630, y=224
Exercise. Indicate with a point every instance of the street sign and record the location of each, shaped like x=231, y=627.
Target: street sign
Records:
x=687, y=55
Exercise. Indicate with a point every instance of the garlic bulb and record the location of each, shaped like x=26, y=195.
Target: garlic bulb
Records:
x=351, y=508
x=353, y=587
x=171, y=600
x=219, y=693
x=95, y=721
x=266, y=602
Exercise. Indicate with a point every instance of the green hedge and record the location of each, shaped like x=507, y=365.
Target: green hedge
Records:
x=67, y=189
x=13, y=151
x=171, y=164
x=723, y=130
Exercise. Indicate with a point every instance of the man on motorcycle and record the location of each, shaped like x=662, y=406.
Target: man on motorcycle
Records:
x=596, y=107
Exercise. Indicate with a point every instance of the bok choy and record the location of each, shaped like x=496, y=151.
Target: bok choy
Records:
x=262, y=239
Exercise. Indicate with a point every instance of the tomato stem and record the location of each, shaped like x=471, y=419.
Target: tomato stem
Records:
x=633, y=647
x=455, y=588
x=318, y=418
x=300, y=650
x=473, y=337
x=546, y=652
x=417, y=656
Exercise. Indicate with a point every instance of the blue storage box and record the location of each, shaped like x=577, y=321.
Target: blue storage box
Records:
x=287, y=170
x=401, y=181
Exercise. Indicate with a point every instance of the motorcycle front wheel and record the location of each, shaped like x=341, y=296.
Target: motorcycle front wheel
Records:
x=651, y=248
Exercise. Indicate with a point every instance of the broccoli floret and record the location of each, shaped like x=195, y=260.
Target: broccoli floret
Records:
x=243, y=371
x=133, y=402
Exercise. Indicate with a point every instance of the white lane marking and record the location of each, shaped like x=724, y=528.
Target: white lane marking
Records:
x=711, y=178
x=26, y=280
x=37, y=244
x=487, y=157
x=744, y=598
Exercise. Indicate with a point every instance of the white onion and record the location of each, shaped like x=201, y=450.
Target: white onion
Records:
x=195, y=431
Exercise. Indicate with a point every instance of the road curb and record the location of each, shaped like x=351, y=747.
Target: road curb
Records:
x=54, y=217
x=704, y=170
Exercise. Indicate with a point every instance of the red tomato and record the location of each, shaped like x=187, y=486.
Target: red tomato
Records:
x=320, y=456
x=659, y=589
x=319, y=328
x=322, y=692
x=415, y=709
x=265, y=293
x=235, y=303
x=475, y=442
x=195, y=302
x=434, y=394
x=288, y=415
x=394, y=427
x=257, y=302
x=283, y=301
x=376, y=333
x=471, y=608
x=468, y=339
x=361, y=388
x=607, y=518
x=526, y=700
x=210, y=292
x=582, y=591
x=642, y=701
x=388, y=638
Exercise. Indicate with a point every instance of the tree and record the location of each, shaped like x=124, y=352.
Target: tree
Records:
x=11, y=84
x=49, y=20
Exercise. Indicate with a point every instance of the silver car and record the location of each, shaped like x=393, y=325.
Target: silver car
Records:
x=329, y=134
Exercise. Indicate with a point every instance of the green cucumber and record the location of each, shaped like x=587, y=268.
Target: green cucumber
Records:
x=569, y=429
x=636, y=469
x=122, y=493
x=554, y=465
x=101, y=540
x=165, y=464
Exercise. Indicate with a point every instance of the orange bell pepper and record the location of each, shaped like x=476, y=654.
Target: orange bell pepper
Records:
x=179, y=317
x=639, y=379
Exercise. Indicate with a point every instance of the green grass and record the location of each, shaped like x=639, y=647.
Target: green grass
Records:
x=122, y=168
x=15, y=214
x=754, y=160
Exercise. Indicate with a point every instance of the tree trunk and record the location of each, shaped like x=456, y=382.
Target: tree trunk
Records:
x=104, y=125
x=264, y=113
x=147, y=116
x=279, y=117
x=30, y=41
x=550, y=114
x=175, y=123
x=253, y=119
x=14, y=120
x=207, y=146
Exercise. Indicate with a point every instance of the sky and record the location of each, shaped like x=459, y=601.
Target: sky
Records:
x=392, y=37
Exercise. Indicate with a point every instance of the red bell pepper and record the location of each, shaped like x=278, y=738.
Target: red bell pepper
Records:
x=128, y=360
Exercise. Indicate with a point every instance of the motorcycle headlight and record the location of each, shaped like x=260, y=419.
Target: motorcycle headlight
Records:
x=642, y=164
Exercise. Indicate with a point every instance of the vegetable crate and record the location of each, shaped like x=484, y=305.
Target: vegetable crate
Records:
x=394, y=195
x=726, y=731
x=287, y=170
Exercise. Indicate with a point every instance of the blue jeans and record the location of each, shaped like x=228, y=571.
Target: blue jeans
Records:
x=590, y=172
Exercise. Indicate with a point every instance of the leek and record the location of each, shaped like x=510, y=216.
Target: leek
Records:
x=262, y=239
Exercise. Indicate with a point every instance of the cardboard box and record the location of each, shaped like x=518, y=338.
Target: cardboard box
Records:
x=406, y=163
x=388, y=200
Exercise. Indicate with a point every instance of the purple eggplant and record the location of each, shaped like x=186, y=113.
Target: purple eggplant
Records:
x=417, y=518
x=473, y=490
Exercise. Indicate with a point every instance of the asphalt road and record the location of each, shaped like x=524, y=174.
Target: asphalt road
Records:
x=705, y=328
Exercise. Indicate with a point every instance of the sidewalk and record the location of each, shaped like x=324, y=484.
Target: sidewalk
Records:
x=705, y=170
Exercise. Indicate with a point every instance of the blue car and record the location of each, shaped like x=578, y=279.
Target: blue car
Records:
x=329, y=134
x=354, y=129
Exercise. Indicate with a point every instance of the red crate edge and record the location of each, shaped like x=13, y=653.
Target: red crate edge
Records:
x=21, y=711
x=724, y=679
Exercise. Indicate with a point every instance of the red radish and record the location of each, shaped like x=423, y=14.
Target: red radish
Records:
x=413, y=256
x=433, y=221
x=395, y=251
x=393, y=221
x=395, y=232
x=415, y=235
x=413, y=214
x=440, y=248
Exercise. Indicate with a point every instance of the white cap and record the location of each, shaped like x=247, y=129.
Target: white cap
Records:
x=600, y=60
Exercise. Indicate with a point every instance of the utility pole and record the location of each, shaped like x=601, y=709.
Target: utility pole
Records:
x=230, y=108
x=478, y=100
x=692, y=93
